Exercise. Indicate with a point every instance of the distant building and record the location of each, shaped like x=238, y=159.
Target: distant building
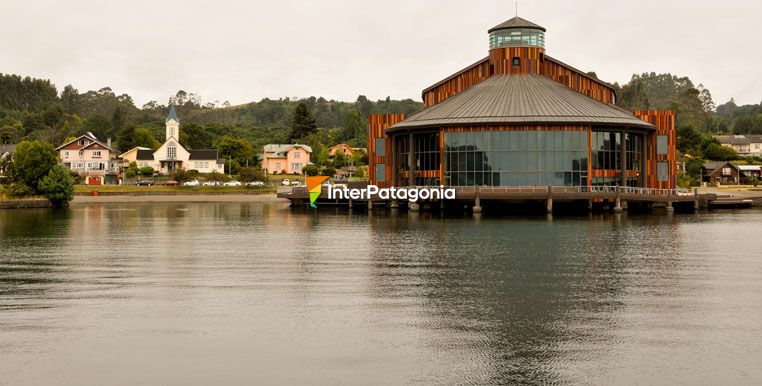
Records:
x=290, y=158
x=744, y=145
x=720, y=172
x=89, y=156
x=750, y=171
x=171, y=155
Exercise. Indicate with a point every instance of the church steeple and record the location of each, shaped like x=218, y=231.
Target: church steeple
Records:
x=172, y=124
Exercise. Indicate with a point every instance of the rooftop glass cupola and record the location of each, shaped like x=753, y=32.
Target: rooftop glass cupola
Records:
x=516, y=32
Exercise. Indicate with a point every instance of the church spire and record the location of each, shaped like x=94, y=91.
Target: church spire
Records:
x=172, y=114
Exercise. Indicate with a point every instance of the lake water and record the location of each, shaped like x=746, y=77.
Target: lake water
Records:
x=205, y=293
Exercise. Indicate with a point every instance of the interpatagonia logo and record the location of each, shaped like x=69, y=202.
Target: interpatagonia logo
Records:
x=314, y=186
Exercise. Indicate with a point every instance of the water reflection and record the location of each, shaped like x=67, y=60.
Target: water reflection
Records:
x=327, y=296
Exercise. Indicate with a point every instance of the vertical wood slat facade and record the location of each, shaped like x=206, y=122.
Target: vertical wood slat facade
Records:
x=501, y=60
x=664, y=120
x=377, y=125
x=456, y=83
x=533, y=61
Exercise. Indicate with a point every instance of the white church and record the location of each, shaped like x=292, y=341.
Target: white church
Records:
x=171, y=155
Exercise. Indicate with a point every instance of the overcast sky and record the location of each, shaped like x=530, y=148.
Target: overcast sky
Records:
x=247, y=50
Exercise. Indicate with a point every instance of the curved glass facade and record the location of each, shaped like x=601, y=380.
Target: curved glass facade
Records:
x=517, y=37
x=515, y=158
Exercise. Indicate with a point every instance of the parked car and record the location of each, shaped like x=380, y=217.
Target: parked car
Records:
x=143, y=182
x=211, y=183
x=296, y=183
x=191, y=183
x=255, y=183
x=170, y=183
x=232, y=183
x=286, y=182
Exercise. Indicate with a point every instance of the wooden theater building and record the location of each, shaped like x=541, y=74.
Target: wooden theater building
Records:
x=519, y=117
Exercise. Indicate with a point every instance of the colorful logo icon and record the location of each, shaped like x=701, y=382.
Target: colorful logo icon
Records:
x=314, y=186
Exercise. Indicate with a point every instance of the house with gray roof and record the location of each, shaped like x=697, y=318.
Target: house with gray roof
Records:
x=285, y=158
x=745, y=145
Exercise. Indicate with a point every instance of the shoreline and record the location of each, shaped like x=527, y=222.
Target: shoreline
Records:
x=269, y=197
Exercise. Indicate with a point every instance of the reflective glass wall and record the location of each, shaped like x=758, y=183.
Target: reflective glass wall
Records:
x=527, y=37
x=515, y=158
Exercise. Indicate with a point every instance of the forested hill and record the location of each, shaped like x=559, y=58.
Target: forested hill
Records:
x=35, y=109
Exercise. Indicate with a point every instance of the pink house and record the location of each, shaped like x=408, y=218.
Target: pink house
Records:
x=290, y=158
x=88, y=155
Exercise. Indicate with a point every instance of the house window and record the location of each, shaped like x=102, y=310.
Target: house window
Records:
x=66, y=154
x=278, y=167
x=297, y=155
x=81, y=153
x=726, y=171
x=171, y=151
x=516, y=61
x=96, y=153
x=662, y=144
x=662, y=171
x=81, y=142
x=296, y=167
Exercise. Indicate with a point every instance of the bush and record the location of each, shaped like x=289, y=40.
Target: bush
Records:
x=132, y=170
x=310, y=170
x=329, y=171
x=146, y=171
x=180, y=175
x=360, y=173
x=18, y=190
x=193, y=174
x=215, y=176
x=251, y=174
x=57, y=186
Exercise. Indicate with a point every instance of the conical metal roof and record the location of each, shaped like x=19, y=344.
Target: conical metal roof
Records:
x=521, y=100
x=516, y=22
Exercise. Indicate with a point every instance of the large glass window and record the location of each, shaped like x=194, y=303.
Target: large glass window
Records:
x=517, y=37
x=380, y=147
x=516, y=158
x=380, y=172
x=662, y=171
x=662, y=144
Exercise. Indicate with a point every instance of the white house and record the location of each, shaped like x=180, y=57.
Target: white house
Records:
x=171, y=155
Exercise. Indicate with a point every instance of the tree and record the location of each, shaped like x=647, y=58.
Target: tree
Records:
x=237, y=149
x=57, y=186
x=181, y=175
x=98, y=125
x=354, y=130
x=303, y=123
x=33, y=161
x=339, y=159
x=132, y=170
x=693, y=167
x=310, y=170
x=718, y=152
x=196, y=137
x=329, y=171
x=688, y=140
x=142, y=137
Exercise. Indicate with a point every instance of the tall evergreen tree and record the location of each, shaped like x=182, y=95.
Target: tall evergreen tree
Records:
x=303, y=123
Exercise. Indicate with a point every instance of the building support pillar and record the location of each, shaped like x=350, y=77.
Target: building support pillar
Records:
x=394, y=204
x=370, y=204
x=618, y=205
x=589, y=205
x=549, y=203
x=669, y=208
x=477, y=205
x=414, y=207
x=350, y=203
